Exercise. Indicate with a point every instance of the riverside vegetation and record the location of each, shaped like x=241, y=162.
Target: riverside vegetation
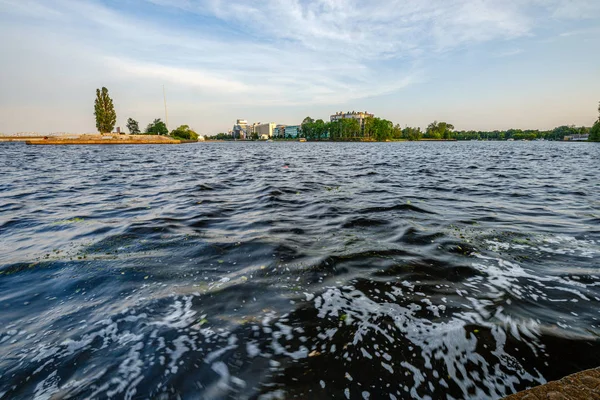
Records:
x=106, y=118
x=378, y=129
x=349, y=129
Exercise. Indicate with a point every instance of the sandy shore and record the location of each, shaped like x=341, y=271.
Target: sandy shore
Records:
x=104, y=139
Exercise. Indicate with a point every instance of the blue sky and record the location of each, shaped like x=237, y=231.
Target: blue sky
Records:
x=475, y=63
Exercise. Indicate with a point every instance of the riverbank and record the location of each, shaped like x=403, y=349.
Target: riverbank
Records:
x=104, y=140
x=19, y=138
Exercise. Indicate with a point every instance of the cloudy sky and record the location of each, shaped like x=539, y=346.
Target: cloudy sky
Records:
x=478, y=64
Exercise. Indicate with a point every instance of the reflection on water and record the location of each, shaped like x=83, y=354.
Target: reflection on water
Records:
x=388, y=270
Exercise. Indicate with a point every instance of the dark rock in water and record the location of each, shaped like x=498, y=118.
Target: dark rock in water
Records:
x=584, y=385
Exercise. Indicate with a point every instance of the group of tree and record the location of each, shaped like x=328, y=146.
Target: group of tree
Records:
x=106, y=118
x=557, y=133
x=439, y=130
x=158, y=127
x=314, y=130
x=221, y=136
x=372, y=128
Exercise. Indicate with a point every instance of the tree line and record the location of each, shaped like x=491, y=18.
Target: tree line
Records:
x=378, y=129
x=106, y=118
x=371, y=129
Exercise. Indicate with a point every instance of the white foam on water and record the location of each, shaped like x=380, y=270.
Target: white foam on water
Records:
x=47, y=387
x=448, y=341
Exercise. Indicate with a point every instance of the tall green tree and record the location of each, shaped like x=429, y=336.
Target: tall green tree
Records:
x=335, y=129
x=308, y=128
x=369, y=127
x=319, y=129
x=133, y=126
x=104, y=110
x=157, y=127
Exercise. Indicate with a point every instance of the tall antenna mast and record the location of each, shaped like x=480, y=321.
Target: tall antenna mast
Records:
x=166, y=114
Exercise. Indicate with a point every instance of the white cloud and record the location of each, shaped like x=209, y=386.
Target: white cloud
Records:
x=180, y=76
x=509, y=53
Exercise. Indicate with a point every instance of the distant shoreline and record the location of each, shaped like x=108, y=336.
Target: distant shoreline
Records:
x=120, y=139
x=96, y=139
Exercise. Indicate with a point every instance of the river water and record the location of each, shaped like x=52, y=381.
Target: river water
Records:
x=297, y=270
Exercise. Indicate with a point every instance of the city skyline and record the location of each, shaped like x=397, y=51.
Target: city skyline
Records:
x=479, y=65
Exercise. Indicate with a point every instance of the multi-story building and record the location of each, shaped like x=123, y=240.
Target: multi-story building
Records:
x=279, y=132
x=240, y=129
x=261, y=131
x=358, y=115
x=292, y=131
x=251, y=130
x=287, y=131
x=265, y=130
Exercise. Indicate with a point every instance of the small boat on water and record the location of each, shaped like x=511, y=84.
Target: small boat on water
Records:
x=302, y=139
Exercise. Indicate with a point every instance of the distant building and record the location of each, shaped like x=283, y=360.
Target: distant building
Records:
x=265, y=129
x=358, y=115
x=252, y=131
x=581, y=137
x=289, y=131
x=279, y=132
x=240, y=129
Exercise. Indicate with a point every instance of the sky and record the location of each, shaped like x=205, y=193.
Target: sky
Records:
x=478, y=64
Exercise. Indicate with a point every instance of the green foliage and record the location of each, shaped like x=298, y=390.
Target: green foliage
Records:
x=133, y=126
x=595, y=132
x=185, y=133
x=412, y=133
x=344, y=129
x=221, y=136
x=320, y=129
x=378, y=129
x=314, y=130
x=397, y=132
x=157, y=127
x=307, y=127
x=104, y=110
x=439, y=130
x=382, y=129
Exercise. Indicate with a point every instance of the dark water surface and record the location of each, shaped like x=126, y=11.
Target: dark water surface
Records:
x=297, y=270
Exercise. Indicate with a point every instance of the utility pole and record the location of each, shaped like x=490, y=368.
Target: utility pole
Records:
x=166, y=114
